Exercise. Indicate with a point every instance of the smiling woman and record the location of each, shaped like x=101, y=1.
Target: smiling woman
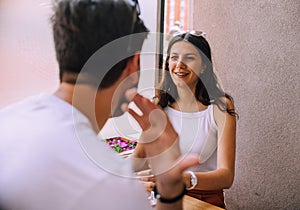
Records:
x=202, y=114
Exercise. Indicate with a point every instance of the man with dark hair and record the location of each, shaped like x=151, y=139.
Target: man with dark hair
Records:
x=50, y=157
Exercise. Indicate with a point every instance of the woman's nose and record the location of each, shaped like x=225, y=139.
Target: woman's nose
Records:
x=180, y=64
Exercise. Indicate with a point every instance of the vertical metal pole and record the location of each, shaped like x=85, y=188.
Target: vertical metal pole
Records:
x=160, y=43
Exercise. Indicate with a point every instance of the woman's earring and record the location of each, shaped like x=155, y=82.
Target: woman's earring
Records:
x=202, y=70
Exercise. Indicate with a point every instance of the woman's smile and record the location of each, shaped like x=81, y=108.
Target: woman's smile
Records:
x=181, y=74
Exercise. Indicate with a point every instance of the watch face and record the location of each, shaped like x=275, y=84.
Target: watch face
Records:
x=193, y=181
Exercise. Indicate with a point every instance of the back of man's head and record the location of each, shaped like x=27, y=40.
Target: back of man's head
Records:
x=81, y=27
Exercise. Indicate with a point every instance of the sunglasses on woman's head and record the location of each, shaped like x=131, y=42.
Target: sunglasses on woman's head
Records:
x=190, y=32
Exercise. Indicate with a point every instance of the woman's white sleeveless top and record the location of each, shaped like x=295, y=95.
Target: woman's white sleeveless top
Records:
x=197, y=135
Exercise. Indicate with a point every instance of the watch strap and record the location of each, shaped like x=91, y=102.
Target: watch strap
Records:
x=169, y=200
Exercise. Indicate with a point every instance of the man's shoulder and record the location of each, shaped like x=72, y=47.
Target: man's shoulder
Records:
x=22, y=103
x=15, y=108
x=41, y=112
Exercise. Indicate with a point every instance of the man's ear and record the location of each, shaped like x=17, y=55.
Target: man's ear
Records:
x=133, y=67
x=133, y=63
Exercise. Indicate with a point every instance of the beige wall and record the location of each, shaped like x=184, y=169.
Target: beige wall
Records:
x=256, y=50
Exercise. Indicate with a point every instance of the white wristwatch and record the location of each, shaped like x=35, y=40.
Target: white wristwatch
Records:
x=193, y=180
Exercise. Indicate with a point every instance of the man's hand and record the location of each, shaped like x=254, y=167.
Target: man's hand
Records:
x=161, y=146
